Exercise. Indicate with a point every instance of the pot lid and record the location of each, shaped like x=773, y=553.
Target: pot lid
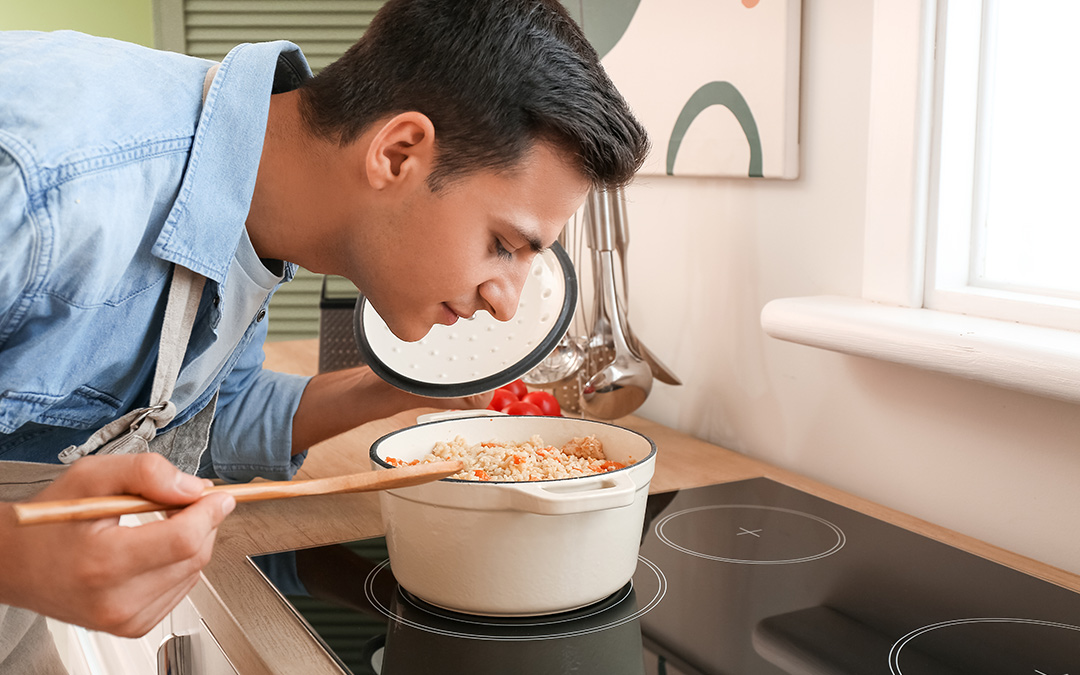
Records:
x=478, y=354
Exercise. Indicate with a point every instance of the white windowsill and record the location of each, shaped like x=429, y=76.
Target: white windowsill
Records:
x=1032, y=359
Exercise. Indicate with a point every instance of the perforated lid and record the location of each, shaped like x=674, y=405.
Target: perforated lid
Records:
x=478, y=354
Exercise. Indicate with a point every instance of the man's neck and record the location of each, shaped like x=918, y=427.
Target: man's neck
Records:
x=291, y=214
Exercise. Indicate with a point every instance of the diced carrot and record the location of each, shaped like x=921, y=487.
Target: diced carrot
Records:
x=611, y=466
x=481, y=474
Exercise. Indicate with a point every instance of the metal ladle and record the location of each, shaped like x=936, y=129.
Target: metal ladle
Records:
x=622, y=242
x=622, y=385
x=564, y=361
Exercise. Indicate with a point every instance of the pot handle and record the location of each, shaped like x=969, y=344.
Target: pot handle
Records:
x=613, y=491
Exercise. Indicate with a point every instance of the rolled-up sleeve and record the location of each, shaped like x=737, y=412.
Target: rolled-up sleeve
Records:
x=252, y=431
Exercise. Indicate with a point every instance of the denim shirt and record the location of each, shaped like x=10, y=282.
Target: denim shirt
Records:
x=112, y=169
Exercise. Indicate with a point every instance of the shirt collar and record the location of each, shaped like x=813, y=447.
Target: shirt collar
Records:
x=206, y=220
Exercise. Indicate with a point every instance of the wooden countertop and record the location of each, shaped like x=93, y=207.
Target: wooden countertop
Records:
x=259, y=632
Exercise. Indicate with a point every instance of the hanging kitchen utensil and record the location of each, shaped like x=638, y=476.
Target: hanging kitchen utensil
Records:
x=622, y=245
x=621, y=240
x=600, y=345
x=568, y=390
x=565, y=360
x=659, y=370
x=478, y=354
x=622, y=385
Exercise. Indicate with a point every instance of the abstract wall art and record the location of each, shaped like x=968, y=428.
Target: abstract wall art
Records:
x=715, y=82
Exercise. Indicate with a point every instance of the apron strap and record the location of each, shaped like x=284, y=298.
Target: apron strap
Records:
x=123, y=435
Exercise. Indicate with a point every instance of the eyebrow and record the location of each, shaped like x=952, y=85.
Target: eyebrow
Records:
x=533, y=241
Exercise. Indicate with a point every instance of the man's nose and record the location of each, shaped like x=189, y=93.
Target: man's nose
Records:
x=503, y=292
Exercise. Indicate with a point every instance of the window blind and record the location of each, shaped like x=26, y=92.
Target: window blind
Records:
x=324, y=29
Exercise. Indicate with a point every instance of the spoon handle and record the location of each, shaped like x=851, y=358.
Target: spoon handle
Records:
x=89, y=508
x=622, y=242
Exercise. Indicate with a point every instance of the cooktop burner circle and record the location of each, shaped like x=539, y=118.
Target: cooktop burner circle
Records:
x=588, y=611
x=989, y=646
x=750, y=534
x=635, y=599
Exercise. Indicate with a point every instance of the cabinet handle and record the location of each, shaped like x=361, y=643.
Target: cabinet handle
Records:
x=174, y=656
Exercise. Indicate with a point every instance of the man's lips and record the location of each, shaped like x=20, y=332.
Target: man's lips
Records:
x=451, y=316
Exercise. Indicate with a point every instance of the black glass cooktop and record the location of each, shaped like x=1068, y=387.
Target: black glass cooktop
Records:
x=745, y=578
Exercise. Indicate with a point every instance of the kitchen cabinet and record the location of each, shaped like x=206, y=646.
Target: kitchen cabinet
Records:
x=182, y=644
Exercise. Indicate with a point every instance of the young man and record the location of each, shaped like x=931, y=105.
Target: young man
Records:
x=428, y=165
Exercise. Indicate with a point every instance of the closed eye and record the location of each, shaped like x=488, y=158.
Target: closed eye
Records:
x=501, y=251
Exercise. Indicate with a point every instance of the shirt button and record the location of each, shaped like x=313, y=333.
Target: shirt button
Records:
x=217, y=300
x=261, y=316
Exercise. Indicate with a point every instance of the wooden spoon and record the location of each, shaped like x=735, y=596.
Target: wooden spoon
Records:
x=89, y=508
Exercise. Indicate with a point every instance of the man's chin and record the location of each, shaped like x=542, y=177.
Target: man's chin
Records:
x=412, y=333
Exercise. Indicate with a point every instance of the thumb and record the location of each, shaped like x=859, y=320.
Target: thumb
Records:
x=156, y=479
x=146, y=474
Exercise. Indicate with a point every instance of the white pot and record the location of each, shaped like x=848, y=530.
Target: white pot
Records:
x=516, y=548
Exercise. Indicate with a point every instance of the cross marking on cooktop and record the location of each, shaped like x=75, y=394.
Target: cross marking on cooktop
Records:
x=743, y=531
x=1042, y=673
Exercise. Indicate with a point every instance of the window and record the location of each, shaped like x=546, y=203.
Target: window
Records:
x=1004, y=235
x=948, y=176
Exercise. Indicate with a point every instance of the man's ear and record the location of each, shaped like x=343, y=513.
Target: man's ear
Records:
x=402, y=149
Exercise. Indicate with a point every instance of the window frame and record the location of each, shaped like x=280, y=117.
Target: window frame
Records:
x=889, y=321
x=952, y=256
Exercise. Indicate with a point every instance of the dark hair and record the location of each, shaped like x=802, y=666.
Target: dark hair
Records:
x=494, y=77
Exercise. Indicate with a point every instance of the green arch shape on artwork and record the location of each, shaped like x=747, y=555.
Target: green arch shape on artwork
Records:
x=717, y=93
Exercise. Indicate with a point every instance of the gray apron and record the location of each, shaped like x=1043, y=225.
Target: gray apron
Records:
x=26, y=645
x=137, y=431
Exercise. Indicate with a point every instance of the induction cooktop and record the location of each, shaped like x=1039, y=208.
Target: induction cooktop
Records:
x=744, y=578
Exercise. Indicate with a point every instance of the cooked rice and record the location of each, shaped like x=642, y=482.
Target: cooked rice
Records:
x=528, y=461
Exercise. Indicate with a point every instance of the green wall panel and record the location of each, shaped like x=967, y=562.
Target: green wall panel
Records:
x=129, y=20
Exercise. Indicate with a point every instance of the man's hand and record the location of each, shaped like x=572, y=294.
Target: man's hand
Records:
x=476, y=402
x=100, y=575
x=337, y=401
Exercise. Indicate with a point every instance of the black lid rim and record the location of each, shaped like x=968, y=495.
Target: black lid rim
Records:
x=488, y=382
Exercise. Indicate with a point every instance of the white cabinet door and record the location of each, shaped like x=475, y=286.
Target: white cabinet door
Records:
x=181, y=644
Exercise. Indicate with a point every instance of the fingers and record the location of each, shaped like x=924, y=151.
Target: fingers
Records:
x=479, y=401
x=142, y=572
x=474, y=402
x=152, y=476
x=103, y=576
x=184, y=536
x=152, y=614
x=139, y=603
x=142, y=601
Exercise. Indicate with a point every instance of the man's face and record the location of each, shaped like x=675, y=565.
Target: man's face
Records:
x=445, y=255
